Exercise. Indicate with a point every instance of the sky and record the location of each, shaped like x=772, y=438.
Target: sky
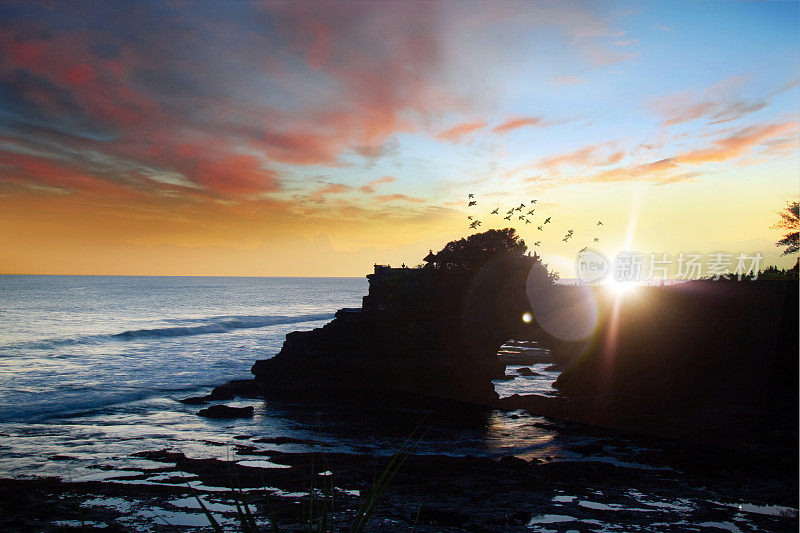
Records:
x=316, y=139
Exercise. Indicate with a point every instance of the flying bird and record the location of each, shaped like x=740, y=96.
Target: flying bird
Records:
x=474, y=225
x=537, y=243
x=521, y=217
x=508, y=217
x=533, y=201
x=599, y=223
x=527, y=221
x=596, y=239
x=583, y=249
x=531, y=211
x=521, y=206
x=539, y=228
x=495, y=211
x=547, y=220
x=471, y=195
x=472, y=203
x=470, y=217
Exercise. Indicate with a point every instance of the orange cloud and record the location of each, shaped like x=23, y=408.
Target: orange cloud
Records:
x=513, y=124
x=668, y=170
x=319, y=195
x=369, y=188
x=395, y=197
x=458, y=132
x=737, y=144
x=582, y=157
x=614, y=158
x=655, y=171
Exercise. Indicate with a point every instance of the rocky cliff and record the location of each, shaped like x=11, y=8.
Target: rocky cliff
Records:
x=432, y=331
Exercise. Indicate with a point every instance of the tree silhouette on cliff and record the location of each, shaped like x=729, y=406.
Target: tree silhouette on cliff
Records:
x=789, y=221
x=477, y=250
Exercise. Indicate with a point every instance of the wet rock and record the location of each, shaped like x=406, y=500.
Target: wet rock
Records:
x=511, y=461
x=286, y=440
x=525, y=371
x=194, y=400
x=589, y=449
x=224, y=411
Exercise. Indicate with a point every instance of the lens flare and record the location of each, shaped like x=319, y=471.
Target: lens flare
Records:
x=621, y=288
x=527, y=317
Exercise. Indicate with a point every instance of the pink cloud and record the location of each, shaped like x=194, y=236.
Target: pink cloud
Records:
x=513, y=124
x=369, y=188
x=457, y=133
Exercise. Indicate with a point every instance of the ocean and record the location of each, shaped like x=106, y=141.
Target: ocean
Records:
x=92, y=368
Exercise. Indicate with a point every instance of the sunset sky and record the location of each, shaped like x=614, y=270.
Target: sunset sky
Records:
x=236, y=138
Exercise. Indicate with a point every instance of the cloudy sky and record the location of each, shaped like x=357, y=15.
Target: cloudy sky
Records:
x=238, y=138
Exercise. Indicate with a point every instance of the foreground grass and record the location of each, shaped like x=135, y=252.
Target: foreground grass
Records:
x=319, y=521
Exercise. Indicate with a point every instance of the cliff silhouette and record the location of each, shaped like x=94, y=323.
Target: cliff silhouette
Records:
x=429, y=331
x=702, y=360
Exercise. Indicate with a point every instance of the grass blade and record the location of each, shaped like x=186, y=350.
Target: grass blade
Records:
x=211, y=520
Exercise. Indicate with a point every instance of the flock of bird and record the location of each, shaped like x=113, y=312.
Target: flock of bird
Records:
x=524, y=216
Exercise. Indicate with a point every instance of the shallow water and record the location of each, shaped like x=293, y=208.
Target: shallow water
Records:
x=91, y=368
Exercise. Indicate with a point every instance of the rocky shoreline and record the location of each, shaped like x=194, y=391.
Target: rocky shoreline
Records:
x=612, y=482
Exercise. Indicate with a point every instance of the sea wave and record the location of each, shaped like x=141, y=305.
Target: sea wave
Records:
x=217, y=324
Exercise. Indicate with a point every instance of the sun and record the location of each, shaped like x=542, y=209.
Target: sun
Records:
x=621, y=288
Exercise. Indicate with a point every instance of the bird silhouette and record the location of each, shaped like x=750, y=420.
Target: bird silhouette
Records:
x=537, y=243
x=599, y=223
x=477, y=222
x=470, y=217
x=596, y=239
x=495, y=211
x=521, y=217
x=527, y=221
x=539, y=228
x=533, y=201
x=547, y=220
x=570, y=232
x=474, y=225
x=583, y=249
x=531, y=211
x=472, y=203
x=508, y=217
x=521, y=205
x=565, y=239
x=471, y=195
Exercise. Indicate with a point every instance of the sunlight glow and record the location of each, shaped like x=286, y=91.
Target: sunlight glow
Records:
x=621, y=288
x=527, y=317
